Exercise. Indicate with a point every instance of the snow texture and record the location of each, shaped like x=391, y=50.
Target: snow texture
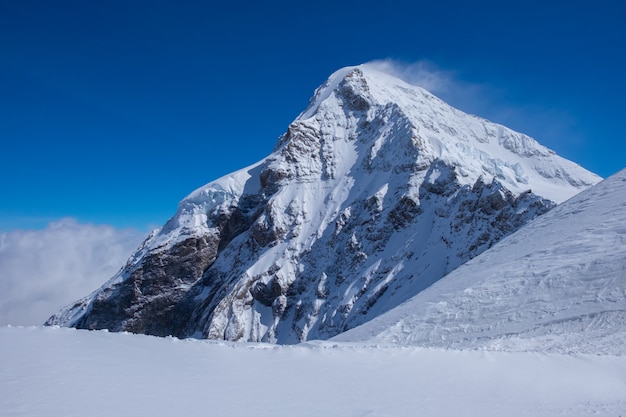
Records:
x=376, y=191
x=66, y=372
x=558, y=284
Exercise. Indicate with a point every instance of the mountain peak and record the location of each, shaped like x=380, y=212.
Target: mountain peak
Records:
x=377, y=190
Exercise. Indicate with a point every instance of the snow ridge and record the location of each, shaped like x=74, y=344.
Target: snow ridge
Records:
x=376, y=191
x=558, y=284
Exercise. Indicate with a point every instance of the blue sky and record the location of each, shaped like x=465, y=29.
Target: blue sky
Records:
x=113, y=111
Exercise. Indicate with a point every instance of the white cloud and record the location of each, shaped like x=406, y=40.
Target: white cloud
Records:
x=41, y=271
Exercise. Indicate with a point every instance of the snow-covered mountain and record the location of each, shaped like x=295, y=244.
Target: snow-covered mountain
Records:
x=376, y=191
x=557, y=284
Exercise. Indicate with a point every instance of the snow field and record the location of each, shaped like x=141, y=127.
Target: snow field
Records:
x=66, y=372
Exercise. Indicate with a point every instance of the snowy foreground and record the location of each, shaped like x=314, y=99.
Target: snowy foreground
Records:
x=67, y=372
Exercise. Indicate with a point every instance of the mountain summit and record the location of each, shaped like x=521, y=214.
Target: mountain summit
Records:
x=376, y=191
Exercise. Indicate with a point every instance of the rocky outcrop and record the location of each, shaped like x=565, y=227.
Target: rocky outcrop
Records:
x=143, y=302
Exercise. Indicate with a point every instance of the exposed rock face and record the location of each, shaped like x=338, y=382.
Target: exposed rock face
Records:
x=144, y=302
x=375, y=192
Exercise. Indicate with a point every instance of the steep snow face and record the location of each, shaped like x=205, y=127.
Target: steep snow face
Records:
x=558, y=284
x=377, y=190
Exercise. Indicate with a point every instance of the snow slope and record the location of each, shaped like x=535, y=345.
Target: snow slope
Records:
x=557, y=284
x=66, y=372
x=377, y=190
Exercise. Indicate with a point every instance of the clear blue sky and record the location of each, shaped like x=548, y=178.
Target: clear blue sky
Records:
x=113, y=111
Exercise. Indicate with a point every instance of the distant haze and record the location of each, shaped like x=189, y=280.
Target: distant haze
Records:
x=42, y=271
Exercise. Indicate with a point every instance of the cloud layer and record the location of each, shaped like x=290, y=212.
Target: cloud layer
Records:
x=41, y=271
